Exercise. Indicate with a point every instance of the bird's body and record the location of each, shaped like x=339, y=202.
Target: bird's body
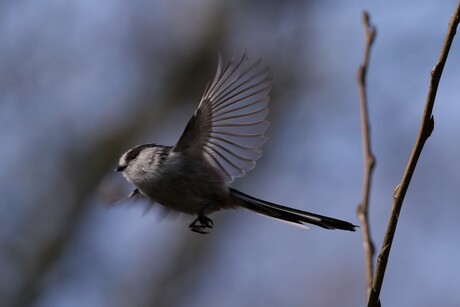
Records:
x=221, y=141
x=172, y=188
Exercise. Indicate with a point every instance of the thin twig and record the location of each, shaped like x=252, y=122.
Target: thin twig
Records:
x=426, y=128
x=369, y=159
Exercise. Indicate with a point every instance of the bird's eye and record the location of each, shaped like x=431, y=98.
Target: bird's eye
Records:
x=132, y=154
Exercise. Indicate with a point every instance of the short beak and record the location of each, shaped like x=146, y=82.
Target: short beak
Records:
x=120, y=168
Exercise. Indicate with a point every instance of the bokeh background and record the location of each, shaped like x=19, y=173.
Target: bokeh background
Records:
x=82, y=81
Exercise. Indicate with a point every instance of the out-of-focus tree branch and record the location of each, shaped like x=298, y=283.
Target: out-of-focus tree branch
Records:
x=369, y=159
x=426, y=128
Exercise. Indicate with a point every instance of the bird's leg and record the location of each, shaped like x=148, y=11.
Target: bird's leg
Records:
x=201, y=223
x=135, y=194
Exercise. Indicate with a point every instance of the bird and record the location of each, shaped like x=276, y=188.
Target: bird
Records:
x=221, y=142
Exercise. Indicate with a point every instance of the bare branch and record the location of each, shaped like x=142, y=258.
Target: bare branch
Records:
x=426, y=128
x=369, y=159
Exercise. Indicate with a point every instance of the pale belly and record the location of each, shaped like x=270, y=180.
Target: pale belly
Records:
x=188, y=191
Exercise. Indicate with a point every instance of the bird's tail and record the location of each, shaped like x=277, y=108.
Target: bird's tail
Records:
x=290, y=215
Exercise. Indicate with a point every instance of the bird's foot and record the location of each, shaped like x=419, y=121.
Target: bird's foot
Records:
x=201, y=223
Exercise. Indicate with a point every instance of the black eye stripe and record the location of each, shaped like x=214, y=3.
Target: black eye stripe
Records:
x=133, y=153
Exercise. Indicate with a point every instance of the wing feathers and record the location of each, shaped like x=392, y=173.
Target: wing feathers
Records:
x=229, y=125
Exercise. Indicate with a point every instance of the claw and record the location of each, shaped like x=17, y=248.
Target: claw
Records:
x=201, y=223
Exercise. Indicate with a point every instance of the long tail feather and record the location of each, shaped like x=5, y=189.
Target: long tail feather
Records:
x=287, y=214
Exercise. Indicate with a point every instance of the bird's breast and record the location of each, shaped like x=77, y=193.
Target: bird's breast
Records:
x=187, y=187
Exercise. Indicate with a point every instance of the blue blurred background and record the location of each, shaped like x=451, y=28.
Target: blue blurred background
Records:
x=82, y=81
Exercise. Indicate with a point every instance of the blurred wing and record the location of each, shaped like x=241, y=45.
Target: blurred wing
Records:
x=229, y=125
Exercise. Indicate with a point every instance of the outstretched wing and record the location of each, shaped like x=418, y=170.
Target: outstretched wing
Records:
x=229, y=125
